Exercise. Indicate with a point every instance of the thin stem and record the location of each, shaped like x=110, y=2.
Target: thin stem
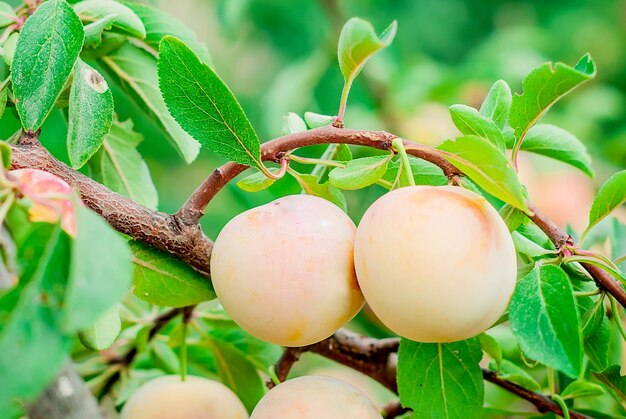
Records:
x=587, y=293
x=551, y=381
x=596, y=262
x=619, y=260
x=559, y=400
x=321, y=162
x=398, y=145
x=183, y=351
x=343, y=102
x=329, y=154
x=284, y=164
x=617, y=318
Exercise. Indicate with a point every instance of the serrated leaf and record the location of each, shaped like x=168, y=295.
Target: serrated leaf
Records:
x=121, y=168
x=310, y=185
x=513, y=217
x=491, y=347
x=316, y=120
x=32, y=346
x=424, y=173
x=7, y=15
x=597, y=346
x=470, y=122
x=557, y=143
x=292, y=124
x=615, y=382
x=359, y=173
x=8, y=48
x=497, y=103
x=137, y=69
x=487, y=166
x=204, y=106
x=100, y=273
x=358, y=41
x=236, y=371
x=102, y=334
x=441, y=380
x=158, y=24
x=90, y=114
x=256, y=181
x=545, y=321
x=48, y=46
x=125, y=22
x=543, y=86
x=165, y=280
x=611, y=195
x=577, y=389
x=94, y=30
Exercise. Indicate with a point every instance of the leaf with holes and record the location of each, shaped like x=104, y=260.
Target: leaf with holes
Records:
x=204, y=106
x=90, y=114
x=442, y=380
x=48, y=46
x=487, y=166
x=545, y=320
x=165, y=280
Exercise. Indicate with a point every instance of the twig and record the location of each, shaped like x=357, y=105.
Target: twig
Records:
x=394, y=409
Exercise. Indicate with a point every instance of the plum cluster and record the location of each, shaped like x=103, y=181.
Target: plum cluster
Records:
x=435, y=264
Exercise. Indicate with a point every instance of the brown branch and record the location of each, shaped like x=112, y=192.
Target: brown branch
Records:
x=158, y=229
x=193, y=209
x=394, y=409
x=542, y=403
x=560, y=238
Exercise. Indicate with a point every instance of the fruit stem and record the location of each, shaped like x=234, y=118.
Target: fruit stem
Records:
x=398, y=145
x=183, y=350
x=284, y=164
x=321, y=162
x=617, y=318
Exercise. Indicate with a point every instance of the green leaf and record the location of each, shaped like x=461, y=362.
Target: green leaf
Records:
x=102, y=334
x=292, y=124
x=164, y=357
x=615, y=382
x=137, y=70
x=525, y=246
x=46, y=50
x=441, y=380
x=204, y=106
x=487, y=166
x=310, y=185
x=515, y=374
x=236, y=371
x=491, y=347
x=513, y=217
x=3, y=100
x=359, y=173
x=125, y=22
x=597, y=346
x=260, y=353
x=121, y=168
x=497, y=104
x=256, y=181
x=5, y=154
x=94, y=30
x=611, y=195
x=470, y=122
x=90, y=114
x=8, y=48
x=101, y=270
x=7, y=15
x=577, y=389
x=165, y=280
x=316, y=120
x=543, y=86
x=358, y=41
x=551, y=141
x=424, y=173
x=545, y=321
x=158, y=24
x=32, y=346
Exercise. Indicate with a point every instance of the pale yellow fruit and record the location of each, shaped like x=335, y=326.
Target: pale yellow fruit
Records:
x=315, y=397
x=284, y=271
x=436, y=264
x=196, y=398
